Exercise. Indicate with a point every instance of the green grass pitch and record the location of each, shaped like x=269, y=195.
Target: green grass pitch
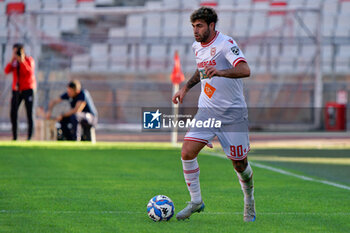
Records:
x=79, y=187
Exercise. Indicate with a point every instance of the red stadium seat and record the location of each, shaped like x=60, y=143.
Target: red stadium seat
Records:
x=278, y=5
x=15, y=7
x=209, y=3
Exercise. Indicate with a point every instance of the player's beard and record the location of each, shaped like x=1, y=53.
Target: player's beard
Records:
x=204, y=37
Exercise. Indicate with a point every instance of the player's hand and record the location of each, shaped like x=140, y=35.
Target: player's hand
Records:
x=210, y=71
x=178, y=97
x=59, y=118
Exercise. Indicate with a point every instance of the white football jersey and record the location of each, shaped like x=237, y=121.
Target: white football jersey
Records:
x=221, y=96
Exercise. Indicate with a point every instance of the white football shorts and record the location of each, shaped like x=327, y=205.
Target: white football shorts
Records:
x=234, y=138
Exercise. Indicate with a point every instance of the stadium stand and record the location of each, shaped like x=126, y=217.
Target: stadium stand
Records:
x=135, y=46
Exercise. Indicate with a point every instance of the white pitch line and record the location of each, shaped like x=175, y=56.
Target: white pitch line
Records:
x=144, y=213
x=281, y=171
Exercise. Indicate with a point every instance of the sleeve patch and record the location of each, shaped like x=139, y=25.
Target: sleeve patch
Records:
x=235, y=50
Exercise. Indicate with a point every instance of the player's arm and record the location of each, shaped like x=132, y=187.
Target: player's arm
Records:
x=80, y=105
x=52, y=104
x=241, y=70
x=178, y=97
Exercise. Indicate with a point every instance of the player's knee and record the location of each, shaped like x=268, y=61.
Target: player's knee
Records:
x=187, y=154
x=239, y=165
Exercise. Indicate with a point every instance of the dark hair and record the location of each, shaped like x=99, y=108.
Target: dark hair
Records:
x=18, y=46
x=75, y=85
x=207, y=14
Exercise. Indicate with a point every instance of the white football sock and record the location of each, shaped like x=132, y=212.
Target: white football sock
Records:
x=246, y=181
x=191, y=173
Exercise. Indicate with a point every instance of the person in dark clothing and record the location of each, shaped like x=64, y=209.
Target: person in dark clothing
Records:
x=83, y=111
x=23, y=87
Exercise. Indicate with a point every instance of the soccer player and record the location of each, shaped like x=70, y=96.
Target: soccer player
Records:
x=220, y=68
x=83, y=111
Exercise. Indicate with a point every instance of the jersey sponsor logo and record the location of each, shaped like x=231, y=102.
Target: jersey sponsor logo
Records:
x=235, y=50
x=206, y=63
x=212, y=51
x=209, y=90
x=203, y=75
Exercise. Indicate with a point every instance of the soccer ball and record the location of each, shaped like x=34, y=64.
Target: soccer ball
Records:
x=160, y=208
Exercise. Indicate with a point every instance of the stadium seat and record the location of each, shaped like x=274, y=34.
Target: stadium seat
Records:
x=330, y=6
x=116, y=33
x=119, y=58
x=313, y=3
x=328, y=26
x=50, y=25
x=186, y=28
x=153, y=25
x=260, y=3
x=2, y=8
x=86, y=4
x=243, y=3
x=104, y=2
x=50, y=4
x=171, y=24
x=99, y=57
x=225, y=22
x=158, y=56
x=342, y=28
x=33, y=5
x=68, y=4
x=342, y=62
x=190, y=4
x=80, y=62
x=17, y=7
x=258, y=26
x=225, y=3
x=134, y=25
x=3, y=21
x=345, y=7
x=240, y=27
x=68, y=23
x=171, y=4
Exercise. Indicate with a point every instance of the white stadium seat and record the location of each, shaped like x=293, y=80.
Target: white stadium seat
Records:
x=50, y=4
x=119, y=58
x=68, y=23
x=153, y=24
x=2, y=8
x=99, y=57
x=86, y=4
x=171, y=24
x=186, y=27
x=171, y=4
x=33, y=5
x=68, y=4
x=258, y=26
x=116, y=33
x=225, y=22
x=157, y=57
x=3, y=21
x=343, y=28
x=80, y=62
x=134, y=26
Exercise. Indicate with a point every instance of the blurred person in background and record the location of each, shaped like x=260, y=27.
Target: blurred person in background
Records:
x=23, y=87
x=83, y=111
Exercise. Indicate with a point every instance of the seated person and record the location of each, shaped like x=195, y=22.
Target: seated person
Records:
x=82, y=111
